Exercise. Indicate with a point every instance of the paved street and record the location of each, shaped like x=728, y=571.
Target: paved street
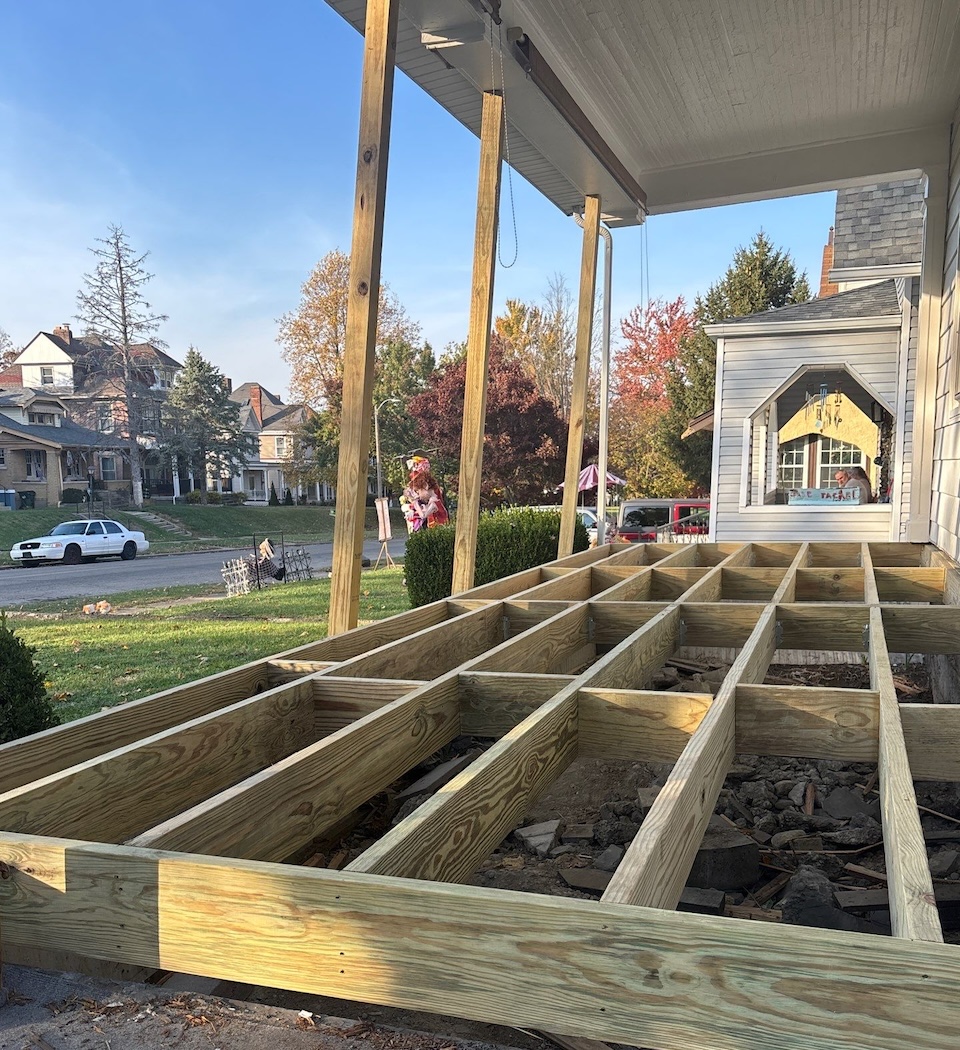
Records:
x=111, y=576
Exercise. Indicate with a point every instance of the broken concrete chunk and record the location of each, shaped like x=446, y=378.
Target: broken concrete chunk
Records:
x=862, y=830
x=610, y=858
x=646, y=798
x=785, y=839
x=944, y=863
x=844, y=802
x=727, y=859
x=578, y=834
x=706, y=902
x=540, y=838
x=809, y=901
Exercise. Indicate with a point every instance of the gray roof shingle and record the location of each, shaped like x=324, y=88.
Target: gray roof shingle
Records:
x=872, y=300
x=879, y=225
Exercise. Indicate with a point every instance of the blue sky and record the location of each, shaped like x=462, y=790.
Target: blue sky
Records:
x=222, y=137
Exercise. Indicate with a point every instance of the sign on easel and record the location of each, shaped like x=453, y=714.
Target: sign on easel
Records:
x=385, y=532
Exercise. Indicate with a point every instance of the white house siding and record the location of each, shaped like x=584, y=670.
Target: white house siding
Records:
x=41, y=351
x=752, y=368
x=945, y=503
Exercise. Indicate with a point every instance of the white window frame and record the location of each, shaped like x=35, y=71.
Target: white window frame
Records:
x=280, y=443
x=111, y=470
x=3, y=459
x=46, y=375
x=106, y=421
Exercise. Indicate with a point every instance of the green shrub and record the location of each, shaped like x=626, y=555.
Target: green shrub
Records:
x=288, y=498
x=73, y=496
x=24, y=705
x=508, y=541
x=274, y=500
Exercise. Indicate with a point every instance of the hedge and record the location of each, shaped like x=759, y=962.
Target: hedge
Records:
x=508, y=541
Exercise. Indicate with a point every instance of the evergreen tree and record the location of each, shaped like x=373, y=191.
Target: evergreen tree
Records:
x=203, y=425
x=24, y=705
x=274, y=500
x=760, y=278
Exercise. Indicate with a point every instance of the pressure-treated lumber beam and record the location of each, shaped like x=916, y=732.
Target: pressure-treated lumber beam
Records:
x=440, y=648
x=638, y=725
x=544, y=648
x=119, y=793
x=614, y=621
x=446, y=838
x=675, y=981
x=363, y=295
x=574, y=585
x=932, y=735
x=803, y=722
x=870, y=595
x=841, y=628
x=673, y=583
x=710, y=587
x=830, y=585
x=751, y=584
x=655, y=867
x=910, y=585
x=40, y=755
x=913, y=909
x=339, y=702
x=478, y=342
x=787, y=591
x=313, y=788
x=581, y=373
x=931, y=629
x=493, y=703
x=521, y=615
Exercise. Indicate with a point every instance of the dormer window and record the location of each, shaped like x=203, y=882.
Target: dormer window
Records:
x=44, y=419
x=46, y=375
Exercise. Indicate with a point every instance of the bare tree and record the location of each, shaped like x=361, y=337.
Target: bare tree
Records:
x=8, y=352
x=113, y=306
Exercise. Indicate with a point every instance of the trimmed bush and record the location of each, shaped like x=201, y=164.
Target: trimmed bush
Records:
x=288, y=498
x=73, y=496
x=508, y=541
x=274, y=500
x=24, y=705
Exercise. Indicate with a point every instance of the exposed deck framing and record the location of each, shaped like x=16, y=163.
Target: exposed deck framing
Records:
x=166, y=851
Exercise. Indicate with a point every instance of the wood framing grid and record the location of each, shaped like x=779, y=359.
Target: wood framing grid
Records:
x=155, y=834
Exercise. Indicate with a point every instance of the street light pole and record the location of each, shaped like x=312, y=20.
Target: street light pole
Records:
x=376, y=439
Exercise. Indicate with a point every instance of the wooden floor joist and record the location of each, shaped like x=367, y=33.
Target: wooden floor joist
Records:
x=150, y=835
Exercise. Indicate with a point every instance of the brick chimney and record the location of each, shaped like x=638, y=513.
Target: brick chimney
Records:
x=256, y=402
x=826, y=288
x=63, y=332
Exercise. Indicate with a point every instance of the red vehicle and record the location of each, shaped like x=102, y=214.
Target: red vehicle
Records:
x=650, y=520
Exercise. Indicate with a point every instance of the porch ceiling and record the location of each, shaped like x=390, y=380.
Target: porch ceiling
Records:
x=703, y=101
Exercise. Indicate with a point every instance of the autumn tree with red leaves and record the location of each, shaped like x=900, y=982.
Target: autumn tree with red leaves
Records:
x=652, y=338
x=524, y=440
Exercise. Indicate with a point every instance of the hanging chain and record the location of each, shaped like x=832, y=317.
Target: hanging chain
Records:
x=506, y=142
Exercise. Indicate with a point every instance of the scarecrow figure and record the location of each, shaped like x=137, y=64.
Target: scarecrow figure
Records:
x=422, y=500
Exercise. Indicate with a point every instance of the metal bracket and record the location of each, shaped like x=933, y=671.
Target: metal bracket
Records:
x=506, y=628
x=682, y=634
x=778, y=635
x=866, y=637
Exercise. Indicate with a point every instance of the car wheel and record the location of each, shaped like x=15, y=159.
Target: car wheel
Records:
x=72, y=555
x=129, y=551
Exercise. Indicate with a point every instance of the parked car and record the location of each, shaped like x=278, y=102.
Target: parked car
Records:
x=640, y=519
x=76, y=541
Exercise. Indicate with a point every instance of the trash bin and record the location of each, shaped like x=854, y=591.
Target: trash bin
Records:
x=9, y=498
x=28, y=500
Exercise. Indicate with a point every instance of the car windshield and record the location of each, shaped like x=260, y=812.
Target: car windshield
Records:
x=646, y=517
x=69, y=528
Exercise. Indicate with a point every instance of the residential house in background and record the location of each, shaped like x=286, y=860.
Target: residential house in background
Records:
x=829, y=383
x=274, y=424
x=43, y=451
x=87, y=375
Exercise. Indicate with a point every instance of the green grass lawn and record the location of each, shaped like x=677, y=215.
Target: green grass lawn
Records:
x=209, y=527
x=154, y=640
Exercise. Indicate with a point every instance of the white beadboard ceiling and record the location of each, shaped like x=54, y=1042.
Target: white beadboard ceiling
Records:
x=703, y=101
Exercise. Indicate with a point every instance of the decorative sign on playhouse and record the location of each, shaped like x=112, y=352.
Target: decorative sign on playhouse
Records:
x=846, y=497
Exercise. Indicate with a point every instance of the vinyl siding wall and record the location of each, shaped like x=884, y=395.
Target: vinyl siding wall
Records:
x=945, y=502
x=751, y=369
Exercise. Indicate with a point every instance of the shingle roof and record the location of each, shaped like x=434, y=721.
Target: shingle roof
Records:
x=91, y=343
x=879, y=225
x=68, y=434
x=872, y=300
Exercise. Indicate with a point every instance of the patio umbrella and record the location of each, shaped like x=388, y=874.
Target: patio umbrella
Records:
x=590, y=479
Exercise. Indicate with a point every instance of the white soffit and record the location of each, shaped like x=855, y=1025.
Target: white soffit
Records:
x=703, y=101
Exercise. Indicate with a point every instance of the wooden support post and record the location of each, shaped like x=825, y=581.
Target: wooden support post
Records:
x=478, y=342
x=376, y=100
x=581, y=374
x=913, y=909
